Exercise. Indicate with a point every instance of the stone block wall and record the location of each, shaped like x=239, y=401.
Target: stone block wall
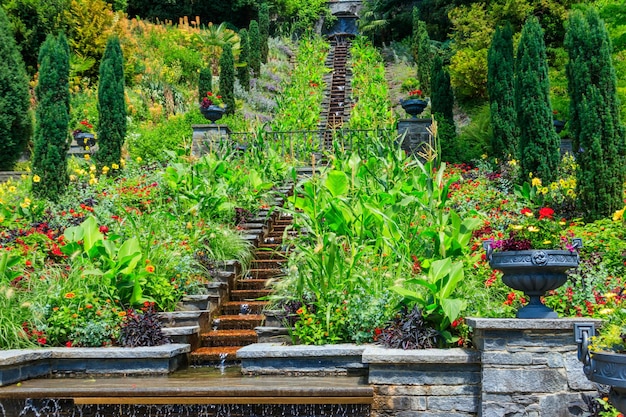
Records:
x=424, y=383
x=530, y=368
x=209, y=137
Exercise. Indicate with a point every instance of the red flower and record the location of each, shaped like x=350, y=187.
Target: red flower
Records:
x=104, y=230
x=546, y=213
x=527, y=212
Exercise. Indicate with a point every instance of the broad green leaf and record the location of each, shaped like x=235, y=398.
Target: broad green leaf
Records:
x=130, y=252
x=452, y=308
x=337, y=183
x=92, y=235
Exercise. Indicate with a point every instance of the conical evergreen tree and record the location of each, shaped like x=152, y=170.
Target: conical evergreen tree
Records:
x=205, y=83
x=264, y=30
x=227, y=78
x=51, y=141
x=597, y=135
x=15, y=118
x=539, y=144
x=441, y=106
x=422, y=52
x=500, y=85
x=254, y=38
x=111, y=105
x=243, y=70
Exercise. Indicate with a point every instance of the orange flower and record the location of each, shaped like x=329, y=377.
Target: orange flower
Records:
x=70, y=295
x=150, y=269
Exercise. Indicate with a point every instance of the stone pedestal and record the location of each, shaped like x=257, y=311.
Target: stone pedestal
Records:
x=417, y=139
x=209, y=137
x=530, y=367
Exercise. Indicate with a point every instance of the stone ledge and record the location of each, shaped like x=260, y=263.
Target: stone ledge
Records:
x=380, y=355
x=18, y=365
x=528, y=324
x=275, y=350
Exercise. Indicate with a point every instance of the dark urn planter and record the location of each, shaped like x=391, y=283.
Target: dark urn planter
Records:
x=535, y=272
x=213, y=113
x=414, y=106
x=606, y=368
x=558, y=125
x=85, y=139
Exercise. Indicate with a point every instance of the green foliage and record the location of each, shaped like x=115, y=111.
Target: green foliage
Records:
x=51, y=134
x=539, y=144
x=264, y=29
x=423, y=56
x=32, y=21
x=442, y=103
x=254, y=37
x=154, y=143
x=474, y=139
x=595, y=125
x=243, y=67
x=227, y=78
x=111, y=105
x=205, y=82
x=15, y=117
x=500, y=86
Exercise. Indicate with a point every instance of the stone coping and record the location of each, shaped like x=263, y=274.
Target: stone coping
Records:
x=381, y=355
x=21, y=356
x=528, y=324
x=279, y=350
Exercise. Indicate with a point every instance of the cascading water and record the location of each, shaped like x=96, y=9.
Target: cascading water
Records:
x=67, y=408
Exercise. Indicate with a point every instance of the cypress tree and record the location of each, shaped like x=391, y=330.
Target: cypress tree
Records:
x=441, y=106
x=15, y=119
x=538, y=142
x=111, y=105
x=264, y=30
x=597, y=135
x=500, y=85
x=205, y=83
x=243, y=70
x=424, y=58
x=254, y=38
x=227, y=78
x=51, y=141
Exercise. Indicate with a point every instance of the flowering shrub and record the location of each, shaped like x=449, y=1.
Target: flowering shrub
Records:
x=211, y=100
x=536, y=232
x=416, y=94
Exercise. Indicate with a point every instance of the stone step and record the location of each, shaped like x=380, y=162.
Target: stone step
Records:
x=268, y=263
x=251, y=284
x=248, y=295
x=214, y=355
x=270, y=254
x=264, y=273
x=238, y=322
x=184, y=334
x=228, y=338
x=245, y=307
x=185, y=318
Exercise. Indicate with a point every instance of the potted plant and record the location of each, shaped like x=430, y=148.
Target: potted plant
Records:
x=415, y=104
x=603, y=353
x=212, y=107
x=534, y=258
x=83, y=134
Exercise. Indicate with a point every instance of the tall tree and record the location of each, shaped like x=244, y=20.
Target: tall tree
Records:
x=51, y=141
x=422, y=52
x=243, y=70
x=254, y=38
x=500, y=86
x=539, y=144
x=227, y=78
x=264, y=29
x=111, y=105
x=597, y=134
x=205, y=82
x=15, y=118
x=442, y=104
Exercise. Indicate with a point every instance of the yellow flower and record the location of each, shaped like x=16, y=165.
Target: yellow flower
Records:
x=517, y=227
x=619, y=215
x=547, y=242
x=610, y=295
x=12, y=189
x=92, y=168
x=36, y=178
x=72, y=177
x=533, y=229
x=544, y=190
x=536, y=182
x=105, y=169
x=512, y=162
x=115, y=166
x=25, y=203
x=93, y=181
x=138, y=159
x=87, y=157
x=483, y=156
